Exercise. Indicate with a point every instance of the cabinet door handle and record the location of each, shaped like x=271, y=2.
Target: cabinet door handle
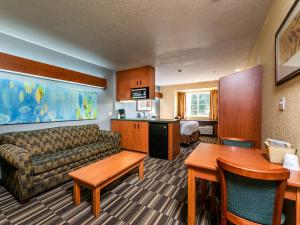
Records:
x=140, y=82
x=138, y=126
x=137, y=82
x=134, y=126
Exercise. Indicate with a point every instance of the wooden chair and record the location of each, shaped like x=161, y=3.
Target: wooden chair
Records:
x=251, y=197
x=238, y=142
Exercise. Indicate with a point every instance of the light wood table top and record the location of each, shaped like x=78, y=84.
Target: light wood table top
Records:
x=101, y=171
x=205, y=155
x=202, y=163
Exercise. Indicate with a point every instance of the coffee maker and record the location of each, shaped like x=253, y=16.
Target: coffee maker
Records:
x=122, y=113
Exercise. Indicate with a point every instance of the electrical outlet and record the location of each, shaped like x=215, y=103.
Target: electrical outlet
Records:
x=258, y=61
x=282, y=103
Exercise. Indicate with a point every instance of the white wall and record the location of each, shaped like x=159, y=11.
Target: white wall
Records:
x=25, y=49
x=130, y=108
x=168, y=104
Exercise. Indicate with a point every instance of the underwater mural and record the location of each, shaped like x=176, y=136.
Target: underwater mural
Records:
x=24, y=99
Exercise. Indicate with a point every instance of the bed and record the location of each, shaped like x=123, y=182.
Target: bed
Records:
x=189, y=132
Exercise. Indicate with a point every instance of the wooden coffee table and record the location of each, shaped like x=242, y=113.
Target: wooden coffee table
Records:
x=99, y=174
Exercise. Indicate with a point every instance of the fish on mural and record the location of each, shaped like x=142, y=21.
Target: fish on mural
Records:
x=37, y=100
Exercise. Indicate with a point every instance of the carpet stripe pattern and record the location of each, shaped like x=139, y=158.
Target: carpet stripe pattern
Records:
x=160, y=198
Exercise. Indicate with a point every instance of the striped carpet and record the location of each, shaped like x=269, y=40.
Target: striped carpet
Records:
x=160, y=198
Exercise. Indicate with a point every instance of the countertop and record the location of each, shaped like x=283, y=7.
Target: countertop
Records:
x=149, y=120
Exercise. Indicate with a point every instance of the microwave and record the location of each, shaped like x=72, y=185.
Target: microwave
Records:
x=140, y=93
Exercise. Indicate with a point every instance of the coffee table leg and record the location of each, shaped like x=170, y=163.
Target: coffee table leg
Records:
x=76, y=193
x=141, y=170
x=96, y=201
x=191, y=197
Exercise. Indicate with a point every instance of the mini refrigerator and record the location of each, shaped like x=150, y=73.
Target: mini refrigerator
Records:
x=158, y=140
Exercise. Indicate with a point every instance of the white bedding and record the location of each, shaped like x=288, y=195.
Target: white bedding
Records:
x=188, y=127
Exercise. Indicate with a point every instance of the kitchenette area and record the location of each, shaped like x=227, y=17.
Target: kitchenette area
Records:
x=157, y=137
x=138, y=115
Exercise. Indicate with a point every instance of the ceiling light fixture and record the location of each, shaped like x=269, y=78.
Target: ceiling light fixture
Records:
x=237, y=70
x=179, y=71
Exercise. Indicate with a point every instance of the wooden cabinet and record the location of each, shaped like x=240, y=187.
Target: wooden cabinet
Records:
x=135, y=78
x=134, y=134
x=141, y=137
x=158, y=95
x=173, y=140
x=124, y=92
x=240, y=105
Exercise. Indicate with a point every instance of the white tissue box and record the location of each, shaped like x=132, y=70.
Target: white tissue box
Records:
x=291, y=162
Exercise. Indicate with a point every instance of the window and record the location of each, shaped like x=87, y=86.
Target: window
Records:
x=198, y=104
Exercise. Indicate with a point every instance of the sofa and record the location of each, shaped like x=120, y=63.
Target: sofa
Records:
x=35, y=161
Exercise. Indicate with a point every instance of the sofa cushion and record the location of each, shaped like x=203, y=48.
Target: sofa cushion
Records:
x=46, y=141
x=47, y=162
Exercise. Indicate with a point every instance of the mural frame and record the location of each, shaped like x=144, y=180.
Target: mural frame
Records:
x=72, y=86
x=279, y=78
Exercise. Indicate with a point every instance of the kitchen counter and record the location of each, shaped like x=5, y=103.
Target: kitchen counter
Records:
x=149, y=120
x=136, y=133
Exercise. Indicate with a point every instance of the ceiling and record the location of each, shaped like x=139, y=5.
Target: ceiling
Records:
x=206, y=39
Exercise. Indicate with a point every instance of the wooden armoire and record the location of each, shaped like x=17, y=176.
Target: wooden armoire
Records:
x=240, y=105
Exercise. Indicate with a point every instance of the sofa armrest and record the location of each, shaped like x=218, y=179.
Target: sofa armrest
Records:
x=16, y=171
x=110, y=137
x=15, y=156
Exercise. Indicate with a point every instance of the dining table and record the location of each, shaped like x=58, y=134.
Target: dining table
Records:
x=202, y=163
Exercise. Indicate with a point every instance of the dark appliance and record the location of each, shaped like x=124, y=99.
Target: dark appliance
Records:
x=158, y=140
x=140, y=93
x=122, y=113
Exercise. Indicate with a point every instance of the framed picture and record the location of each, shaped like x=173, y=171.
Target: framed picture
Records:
x=287, y=46
x=144, y=105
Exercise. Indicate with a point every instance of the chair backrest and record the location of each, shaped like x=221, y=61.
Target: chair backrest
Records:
x=251, y=196
x=238, y=142
x=44, y=141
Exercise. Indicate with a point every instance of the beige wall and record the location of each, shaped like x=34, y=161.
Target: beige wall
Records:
x=168, y=103
x=277, y=124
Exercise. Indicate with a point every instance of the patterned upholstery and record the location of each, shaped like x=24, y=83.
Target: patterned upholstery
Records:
x=45, y=141
x=44, y=163
x=189, y=139
x=111, y=137
x=236, y=143
x=251, y=199
x=34, y=161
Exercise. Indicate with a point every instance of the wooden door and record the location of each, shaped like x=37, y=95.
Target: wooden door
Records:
x=151, y=82
x=173, y=140
x=119, y=89
x=119, y=126
x=123, y=90
x=131, y=127
x=134, y=134
x=142, y=137
x=128, y=133
x=240, y=105
x=134, y=83
x=135, y=78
